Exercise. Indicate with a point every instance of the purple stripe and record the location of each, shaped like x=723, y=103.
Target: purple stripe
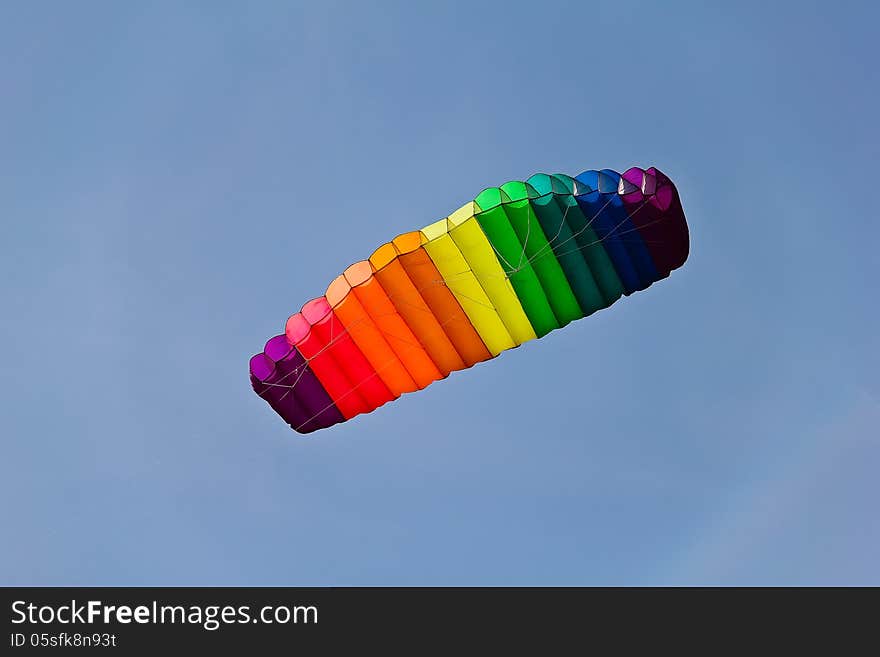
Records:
x=306, y=406
x=659, y=218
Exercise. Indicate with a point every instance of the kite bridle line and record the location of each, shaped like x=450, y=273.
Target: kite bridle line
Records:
x=301, y=370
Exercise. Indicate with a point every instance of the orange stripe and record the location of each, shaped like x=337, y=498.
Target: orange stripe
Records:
x=368, y=338
x=395, y=331
x=443, y=304
x=414, y=310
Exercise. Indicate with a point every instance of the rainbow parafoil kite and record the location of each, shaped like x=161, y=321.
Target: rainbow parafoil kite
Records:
x=512, y=265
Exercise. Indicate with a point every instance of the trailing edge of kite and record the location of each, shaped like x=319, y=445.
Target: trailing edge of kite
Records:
x=510, y=266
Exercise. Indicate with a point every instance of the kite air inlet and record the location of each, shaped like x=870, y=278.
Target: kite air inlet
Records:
x=510, y=266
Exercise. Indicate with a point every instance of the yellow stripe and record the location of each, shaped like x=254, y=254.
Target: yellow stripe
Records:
x=461, y=281
x=475, y=247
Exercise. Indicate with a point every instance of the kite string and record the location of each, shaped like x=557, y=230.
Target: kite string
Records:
x=346, y=330
x=443, y=282
x=301, y=370
x=458, y=293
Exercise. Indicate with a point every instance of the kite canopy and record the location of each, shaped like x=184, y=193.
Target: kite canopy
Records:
x=512, y=265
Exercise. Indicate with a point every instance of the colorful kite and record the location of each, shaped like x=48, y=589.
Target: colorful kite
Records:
x=512, y=265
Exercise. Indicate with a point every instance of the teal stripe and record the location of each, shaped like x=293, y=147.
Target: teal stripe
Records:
x=587, y=243
x=560, y=236
x=539, y=253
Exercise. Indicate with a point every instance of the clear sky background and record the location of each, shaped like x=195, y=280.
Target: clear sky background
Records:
x=177, y=178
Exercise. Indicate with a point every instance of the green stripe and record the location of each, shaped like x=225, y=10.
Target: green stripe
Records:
x=539, y=252
x=500, y=233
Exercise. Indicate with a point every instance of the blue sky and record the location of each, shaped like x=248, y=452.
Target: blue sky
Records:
x=177, y=178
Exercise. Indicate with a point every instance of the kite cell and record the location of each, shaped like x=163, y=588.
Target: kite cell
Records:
x=517, y=262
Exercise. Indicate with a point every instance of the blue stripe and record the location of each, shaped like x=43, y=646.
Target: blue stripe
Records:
x=621, y=239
